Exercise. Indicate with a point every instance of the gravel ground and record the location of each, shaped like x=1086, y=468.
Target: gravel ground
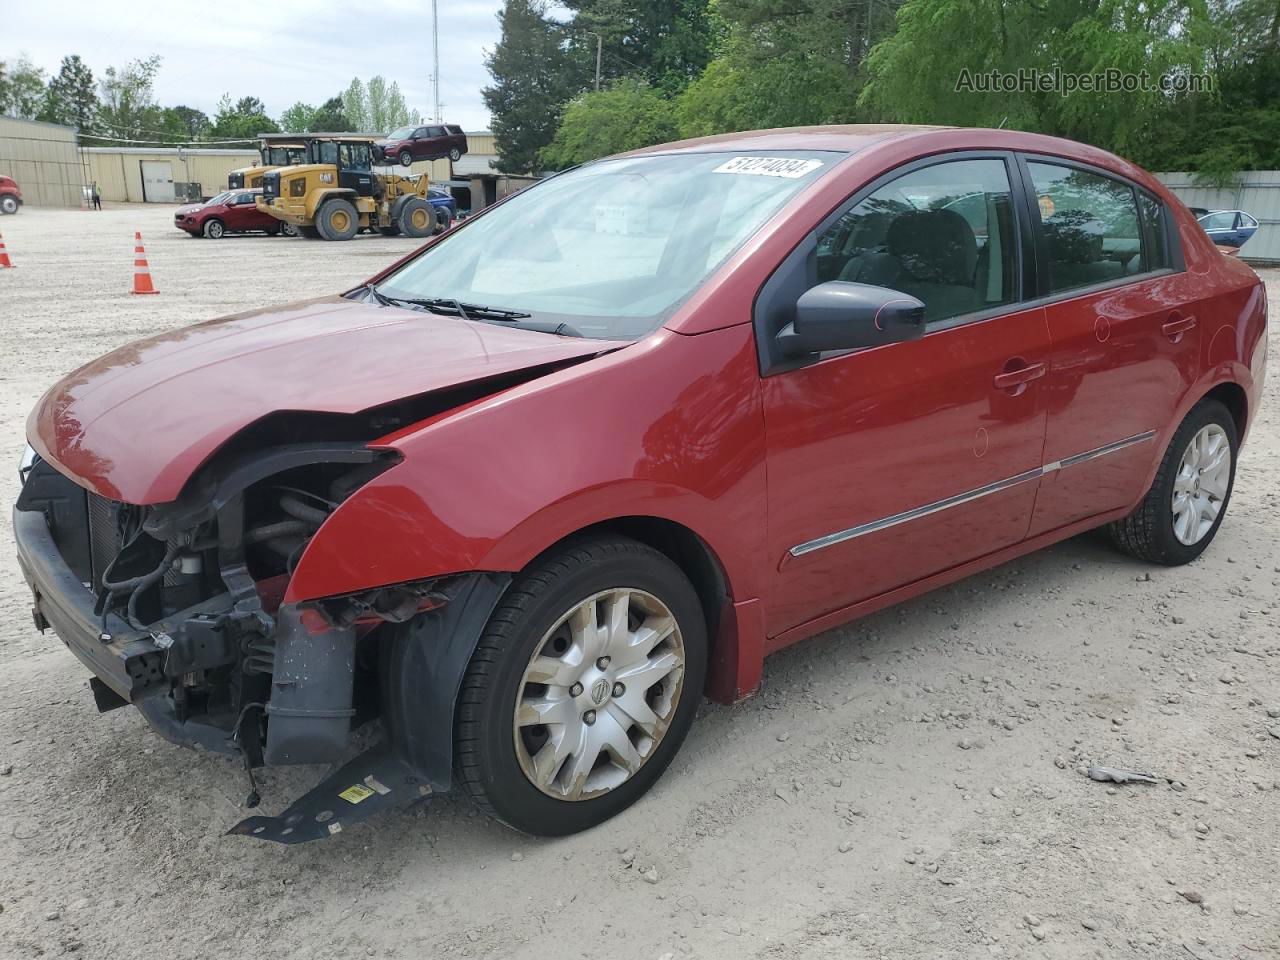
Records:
x=907, y=786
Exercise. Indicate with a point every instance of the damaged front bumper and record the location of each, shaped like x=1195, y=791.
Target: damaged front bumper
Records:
x=291, y=671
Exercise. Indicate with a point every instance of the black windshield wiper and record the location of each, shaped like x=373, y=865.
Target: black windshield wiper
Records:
x=466, y=310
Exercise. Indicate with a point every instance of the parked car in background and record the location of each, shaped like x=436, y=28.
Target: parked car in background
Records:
x=232, y=211
x=10, y=195
x=430, y=142
x=1229, y=228
x=532, y=491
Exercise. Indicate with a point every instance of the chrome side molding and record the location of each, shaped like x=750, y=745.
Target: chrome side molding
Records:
x=840, y=536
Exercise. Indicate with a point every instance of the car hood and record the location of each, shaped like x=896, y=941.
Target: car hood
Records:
x=136, y=423
x=187, y=209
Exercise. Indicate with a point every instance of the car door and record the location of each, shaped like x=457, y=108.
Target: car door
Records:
x=1246, y=227
x=890, y=464
x=1124, y=351
x=238, y=211
x=1220, y=226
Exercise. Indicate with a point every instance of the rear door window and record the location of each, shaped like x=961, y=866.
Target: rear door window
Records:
x=1219, y=221
x=1090, y=226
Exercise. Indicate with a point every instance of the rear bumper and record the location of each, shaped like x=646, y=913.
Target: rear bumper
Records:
x=128, y=661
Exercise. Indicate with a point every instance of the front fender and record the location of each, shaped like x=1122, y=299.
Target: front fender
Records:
x=669, y=428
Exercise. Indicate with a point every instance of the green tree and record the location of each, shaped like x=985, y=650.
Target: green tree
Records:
x=300, y=118
x=187, y=123
x=667, y=43
x=22, y=89
x=627, y=115
x=243, y=120
x=355, y=105
x=71, y=98
x=331, y=118
x=533, y=78
x=385, y=106
x=919, y=74
x=129, y=111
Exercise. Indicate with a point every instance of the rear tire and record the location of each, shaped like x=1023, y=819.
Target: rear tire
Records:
x=1181, y=513
x=337, y=219
x=214, y=229
x=416, y=218
x=287, y=229
x=572, y=612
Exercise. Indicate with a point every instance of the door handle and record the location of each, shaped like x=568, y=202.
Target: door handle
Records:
x=1176, y=326
x=1013, y=379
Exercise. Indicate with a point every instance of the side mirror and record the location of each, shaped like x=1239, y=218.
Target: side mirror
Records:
x=838, y=315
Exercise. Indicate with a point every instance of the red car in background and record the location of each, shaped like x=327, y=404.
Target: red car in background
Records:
x=232, y=211
x=527, y=501
x=10, y=195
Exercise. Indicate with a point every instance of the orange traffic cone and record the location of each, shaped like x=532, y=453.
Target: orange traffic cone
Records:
x=4, y=256
x=141, y=272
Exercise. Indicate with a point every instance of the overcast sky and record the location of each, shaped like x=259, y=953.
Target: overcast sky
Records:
x=280, y=50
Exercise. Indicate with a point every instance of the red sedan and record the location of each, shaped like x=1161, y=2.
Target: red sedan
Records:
x=529, y=501
x=232, y=211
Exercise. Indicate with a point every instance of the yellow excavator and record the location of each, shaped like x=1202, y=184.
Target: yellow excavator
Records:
x=333, y=193
x=280, y=154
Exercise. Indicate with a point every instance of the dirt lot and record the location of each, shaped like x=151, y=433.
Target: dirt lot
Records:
x=903, y=787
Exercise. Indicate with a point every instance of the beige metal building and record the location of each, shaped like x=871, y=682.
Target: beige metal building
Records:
x=162, y=175
x=43, y=159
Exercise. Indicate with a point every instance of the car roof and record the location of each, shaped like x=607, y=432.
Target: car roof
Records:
x=847, y=138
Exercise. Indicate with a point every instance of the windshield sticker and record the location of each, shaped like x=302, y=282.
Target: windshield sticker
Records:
x=787, y=167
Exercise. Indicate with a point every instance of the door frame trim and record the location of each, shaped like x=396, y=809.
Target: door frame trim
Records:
x=915, y=513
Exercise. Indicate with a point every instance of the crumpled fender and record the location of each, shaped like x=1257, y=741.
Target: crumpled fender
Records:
x=670, y=428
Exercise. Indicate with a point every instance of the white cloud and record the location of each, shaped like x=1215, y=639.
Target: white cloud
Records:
x=282, y=51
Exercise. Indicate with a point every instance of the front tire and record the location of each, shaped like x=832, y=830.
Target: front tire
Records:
x=8, y=204
x=406, y=158
x=582, y=687
x=416, y=218
x=214, y=229
x=337, y=219
x=1181, y=513
x=455, y=154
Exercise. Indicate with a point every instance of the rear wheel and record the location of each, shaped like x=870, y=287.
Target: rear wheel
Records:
x=416, y=218
x=1181, y=513
x=390, y=231
x=337, y=219
x=406, y=158
x=214, y=229
x=581, y=688
x=288, y=229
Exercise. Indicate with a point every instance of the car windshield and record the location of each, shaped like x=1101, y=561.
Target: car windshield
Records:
x=611, y=248
x=219, y=198
x=404, y=133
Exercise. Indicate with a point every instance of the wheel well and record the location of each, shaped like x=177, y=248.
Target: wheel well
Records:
x=686, y=550
x=1232, y=396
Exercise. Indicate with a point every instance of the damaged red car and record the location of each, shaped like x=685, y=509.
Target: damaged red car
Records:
x=524, y=502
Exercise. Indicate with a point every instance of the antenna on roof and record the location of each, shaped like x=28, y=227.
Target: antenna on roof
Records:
x=1003, y=121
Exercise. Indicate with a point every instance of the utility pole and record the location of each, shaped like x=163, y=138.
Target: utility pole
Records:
x=599, y=46
x=435, y=58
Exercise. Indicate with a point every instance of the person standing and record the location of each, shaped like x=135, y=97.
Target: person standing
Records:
x=97, y=196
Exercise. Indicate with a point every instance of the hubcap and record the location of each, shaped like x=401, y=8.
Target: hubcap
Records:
x=340, y=220
x=599, y=694
x=1200, y=487
x=419, y=219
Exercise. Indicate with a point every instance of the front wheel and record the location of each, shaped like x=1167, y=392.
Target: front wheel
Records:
x=8, y=204
x=406, y=158
x=214, y=229
x=1181, y=513
x=581, y=688
x=337, y=219
x=455, y=154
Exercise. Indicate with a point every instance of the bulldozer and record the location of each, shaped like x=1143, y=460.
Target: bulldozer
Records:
x=283, y=153
x=334, y=192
